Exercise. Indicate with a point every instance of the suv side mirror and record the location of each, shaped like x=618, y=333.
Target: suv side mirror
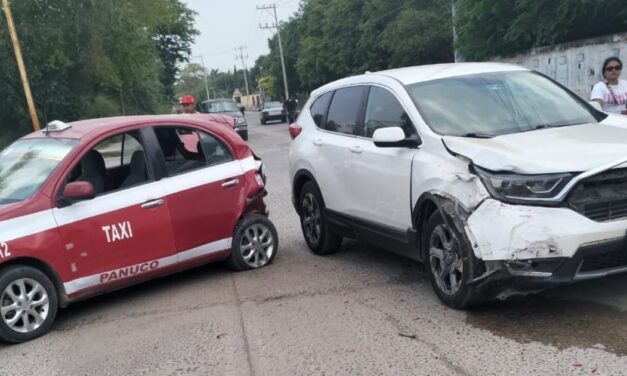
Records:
x=77, y=191
x=394, y=137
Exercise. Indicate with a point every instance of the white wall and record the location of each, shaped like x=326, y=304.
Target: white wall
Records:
x=576, y=65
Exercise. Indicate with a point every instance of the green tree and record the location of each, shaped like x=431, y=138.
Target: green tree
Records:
x=490, y=28
x=90, y=58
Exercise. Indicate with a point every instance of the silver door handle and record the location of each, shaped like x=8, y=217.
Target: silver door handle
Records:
x=356, y=150
x=152, y=204
x=230, y=183
x=317, y=142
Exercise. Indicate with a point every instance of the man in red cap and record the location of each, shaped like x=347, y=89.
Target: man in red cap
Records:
x=189, y=104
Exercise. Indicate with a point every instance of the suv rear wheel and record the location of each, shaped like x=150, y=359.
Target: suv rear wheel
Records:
x=320, y=239
x=450, y=263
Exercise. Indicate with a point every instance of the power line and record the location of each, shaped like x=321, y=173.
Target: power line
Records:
x=278, y=31
x=241, y=56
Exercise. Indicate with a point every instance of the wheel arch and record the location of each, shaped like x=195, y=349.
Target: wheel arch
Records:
x=301, y=177
x=451, y=209
x=45, y=268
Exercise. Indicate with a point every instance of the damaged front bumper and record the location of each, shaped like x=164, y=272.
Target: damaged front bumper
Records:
x=535, y=246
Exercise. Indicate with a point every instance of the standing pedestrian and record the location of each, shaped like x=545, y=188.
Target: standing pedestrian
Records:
x=189, y=104
x=611, y=92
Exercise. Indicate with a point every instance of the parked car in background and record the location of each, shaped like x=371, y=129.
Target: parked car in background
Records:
x=95, y=205
x=271, y=111
x=227, y=107
x=500, y=179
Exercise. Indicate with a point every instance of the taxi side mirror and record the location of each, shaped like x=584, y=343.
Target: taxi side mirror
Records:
x=76, y=191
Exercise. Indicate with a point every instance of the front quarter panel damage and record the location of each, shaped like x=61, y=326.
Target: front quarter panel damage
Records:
x=515, y=232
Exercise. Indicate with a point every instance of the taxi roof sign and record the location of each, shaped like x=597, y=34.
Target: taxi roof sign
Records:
x=56, y=126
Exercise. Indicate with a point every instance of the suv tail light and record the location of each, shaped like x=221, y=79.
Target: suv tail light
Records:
x=294, y=130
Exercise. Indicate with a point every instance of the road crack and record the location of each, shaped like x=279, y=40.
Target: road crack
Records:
x=243, y=326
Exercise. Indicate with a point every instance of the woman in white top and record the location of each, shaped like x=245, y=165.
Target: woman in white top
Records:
x=612, y=91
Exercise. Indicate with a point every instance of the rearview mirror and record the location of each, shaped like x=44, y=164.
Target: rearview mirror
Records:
x=394, y=137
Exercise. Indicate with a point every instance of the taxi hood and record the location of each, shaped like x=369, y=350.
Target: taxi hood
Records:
x=574, y=148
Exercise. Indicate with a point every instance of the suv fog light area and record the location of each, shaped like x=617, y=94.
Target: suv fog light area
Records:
x=533, y=268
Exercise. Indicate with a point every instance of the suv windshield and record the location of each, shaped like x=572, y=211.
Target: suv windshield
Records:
x=26, y=164
x=492, y=104
x=220, y=106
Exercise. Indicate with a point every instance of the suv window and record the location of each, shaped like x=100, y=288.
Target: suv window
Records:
x=115, y=163
x=319, y=108
x=344, y=110
x=186, y=149
x=384, y=110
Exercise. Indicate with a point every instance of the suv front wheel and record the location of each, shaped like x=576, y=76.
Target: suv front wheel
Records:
x=450, y=263
x=320, y=239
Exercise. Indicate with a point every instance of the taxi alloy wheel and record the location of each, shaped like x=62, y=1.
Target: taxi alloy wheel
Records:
x=28, y=304
x=255, y=243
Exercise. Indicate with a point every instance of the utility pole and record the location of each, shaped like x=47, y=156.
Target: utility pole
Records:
x=457, y=55
x=278, y=32
x=241, y=56
x=204, y=73
x=20, y=65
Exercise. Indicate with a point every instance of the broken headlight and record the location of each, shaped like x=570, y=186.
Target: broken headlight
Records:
x=524, y=188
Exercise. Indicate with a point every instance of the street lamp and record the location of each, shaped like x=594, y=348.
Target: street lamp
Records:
x=202, y=62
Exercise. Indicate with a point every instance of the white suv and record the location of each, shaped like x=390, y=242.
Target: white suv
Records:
x=501, y=180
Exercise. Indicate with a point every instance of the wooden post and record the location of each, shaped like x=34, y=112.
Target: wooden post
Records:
x=20, y=65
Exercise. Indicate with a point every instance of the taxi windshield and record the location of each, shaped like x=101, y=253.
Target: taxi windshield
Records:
x=26, y=164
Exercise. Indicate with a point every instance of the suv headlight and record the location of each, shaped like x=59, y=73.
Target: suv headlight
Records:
x=528, y=189
x=240, y=120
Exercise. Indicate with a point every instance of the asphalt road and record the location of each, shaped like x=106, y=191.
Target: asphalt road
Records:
x=358, y=312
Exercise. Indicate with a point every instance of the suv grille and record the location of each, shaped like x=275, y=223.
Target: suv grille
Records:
x=607, y=260
x=602, y=197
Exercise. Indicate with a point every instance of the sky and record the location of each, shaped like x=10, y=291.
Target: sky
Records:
x=225, y=25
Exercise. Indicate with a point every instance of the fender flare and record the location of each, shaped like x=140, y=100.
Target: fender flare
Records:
x=300, y=178
x=453, y=212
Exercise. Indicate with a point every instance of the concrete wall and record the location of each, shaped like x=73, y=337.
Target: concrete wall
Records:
x=576, y=65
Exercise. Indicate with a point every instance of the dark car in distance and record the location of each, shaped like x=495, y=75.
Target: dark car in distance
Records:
x=227, y=107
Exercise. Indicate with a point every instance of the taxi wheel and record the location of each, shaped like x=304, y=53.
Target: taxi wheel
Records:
x=28, y=304
x=255, y=243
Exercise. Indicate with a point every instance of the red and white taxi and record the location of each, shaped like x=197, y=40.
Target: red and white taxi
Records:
x=95, y=205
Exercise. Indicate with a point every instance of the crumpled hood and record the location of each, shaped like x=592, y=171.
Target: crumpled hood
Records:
x=567, y=149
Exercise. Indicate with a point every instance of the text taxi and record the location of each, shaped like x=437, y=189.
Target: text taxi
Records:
x=95, y=205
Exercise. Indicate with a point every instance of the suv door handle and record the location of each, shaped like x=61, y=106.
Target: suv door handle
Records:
x=152, y=203
x=317, y=142
x=356, y=150
x=230, y=183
